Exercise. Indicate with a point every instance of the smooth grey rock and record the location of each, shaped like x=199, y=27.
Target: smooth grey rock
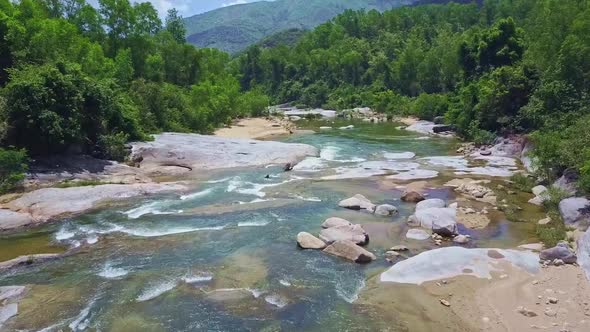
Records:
x=354, y=233
x=385, y=210
x=430, y=203
x=538, y=190
x=575, y=212
x=417, y=234
x=350, y=251
x=442, y=221
x=560, y=251
x=11, y=220
x=357, y=202
x=335, y=221
x=308, y=241
x=198, y=152
x=461, y=239
x=50, y=203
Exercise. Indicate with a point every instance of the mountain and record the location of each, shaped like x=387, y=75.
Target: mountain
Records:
x=234, y=28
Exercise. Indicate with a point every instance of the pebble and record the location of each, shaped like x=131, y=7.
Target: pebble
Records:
x=552, y=300
x=399, y=248
x=558, y=262
x=550, y=312
x=445, y=302
x=526, y=312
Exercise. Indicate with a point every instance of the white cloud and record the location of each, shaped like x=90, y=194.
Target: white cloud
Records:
x=237, y=2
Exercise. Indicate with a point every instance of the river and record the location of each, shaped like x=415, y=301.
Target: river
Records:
x=224, y=257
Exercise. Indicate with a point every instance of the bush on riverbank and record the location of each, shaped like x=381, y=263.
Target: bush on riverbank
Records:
x=13, y=165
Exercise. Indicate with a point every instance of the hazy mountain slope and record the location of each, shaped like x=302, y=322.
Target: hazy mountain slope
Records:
x=236, y=27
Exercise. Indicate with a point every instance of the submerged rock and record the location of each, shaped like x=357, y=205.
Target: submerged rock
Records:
x=308, y=241
x=353, y=233
x=335, y=221
x=575, y=212
x=350, y=251
x=430, y=203
x=455, y=261
x=417, y=234
x=27, y=260
x=561, y=251
x=357, y=202
x=385, y=210
x=412, y=197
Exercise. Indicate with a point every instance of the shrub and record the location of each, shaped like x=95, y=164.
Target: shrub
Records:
x=13, y=165
x=113, y=146
x=522, y=182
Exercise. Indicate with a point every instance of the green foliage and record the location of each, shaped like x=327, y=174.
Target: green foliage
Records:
x=13, y=165
x=113, y=146
x=522, y=182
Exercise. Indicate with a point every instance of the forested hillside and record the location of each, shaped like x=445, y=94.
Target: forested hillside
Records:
x=508, y=66
x=234, y=28
x=76, y=78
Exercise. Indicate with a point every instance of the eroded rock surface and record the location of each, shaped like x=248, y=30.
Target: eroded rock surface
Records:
x=193, y=152
x=350, y=251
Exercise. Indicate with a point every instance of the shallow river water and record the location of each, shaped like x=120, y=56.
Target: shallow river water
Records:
x=224, y=257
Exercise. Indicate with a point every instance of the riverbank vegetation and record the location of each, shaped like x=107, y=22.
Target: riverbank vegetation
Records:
x=494, y=68
x=75, y=78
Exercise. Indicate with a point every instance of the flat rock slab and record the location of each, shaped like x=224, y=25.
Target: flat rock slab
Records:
x=583, y=252
x=11, y=220
x=353, y=233
x=450, y=262
x=46, y=204
x=194, y=152
x=350, y=251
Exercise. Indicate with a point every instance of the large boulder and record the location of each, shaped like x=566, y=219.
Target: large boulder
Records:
x=350, y=251
x=431, y=203
x=335, y=221
x=442, y=221
x=560, y=251
x=308, y=241
x=197, y=152
x=354, y=233
x=357, y=202
x=385, y=210
x=412, y=197
x=575, y=212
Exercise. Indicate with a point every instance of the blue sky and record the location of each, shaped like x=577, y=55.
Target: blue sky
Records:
x=189, y=7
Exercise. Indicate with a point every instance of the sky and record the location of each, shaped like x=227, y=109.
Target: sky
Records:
x=189, y=7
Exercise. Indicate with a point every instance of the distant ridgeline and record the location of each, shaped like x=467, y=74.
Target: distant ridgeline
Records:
x=234, y=28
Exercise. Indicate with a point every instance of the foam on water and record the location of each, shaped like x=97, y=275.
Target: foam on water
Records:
x=143, y=232
x=254, y=223
x=308, y=199
x=250, y=188
x=311, y=164
x=197, y=194
x=197, y=278
x=156, y=290
x=256, y=200
x=219, y=180
x=150, y=208
x=80, y=322
x=92, y=239
x=284, y=283
x=276, y=300
x=331, y=153
x=64, y=234
x=350, y=294
x=110, y=272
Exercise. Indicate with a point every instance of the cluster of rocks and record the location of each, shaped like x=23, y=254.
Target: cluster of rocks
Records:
x=434, y=215
x=541, y=195
x=341, y=238
x=360, y=202
x=431, y=128
x=559, y=255
x=364, y=113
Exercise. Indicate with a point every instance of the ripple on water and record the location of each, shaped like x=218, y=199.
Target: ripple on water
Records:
x=111, y=272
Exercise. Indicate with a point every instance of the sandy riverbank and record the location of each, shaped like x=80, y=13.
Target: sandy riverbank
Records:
x=256, y=128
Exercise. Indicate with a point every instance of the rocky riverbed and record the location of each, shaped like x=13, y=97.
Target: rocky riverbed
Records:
x=405, y=231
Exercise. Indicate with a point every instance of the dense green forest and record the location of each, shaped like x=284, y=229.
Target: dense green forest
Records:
x=78, y=78
x=491, y=68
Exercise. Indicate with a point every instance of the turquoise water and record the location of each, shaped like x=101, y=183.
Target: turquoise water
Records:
x=224, y=257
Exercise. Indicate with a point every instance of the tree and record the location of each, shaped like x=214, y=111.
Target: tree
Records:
x=175, y=26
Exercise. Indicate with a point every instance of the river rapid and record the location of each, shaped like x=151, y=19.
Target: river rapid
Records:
x=224, y=257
